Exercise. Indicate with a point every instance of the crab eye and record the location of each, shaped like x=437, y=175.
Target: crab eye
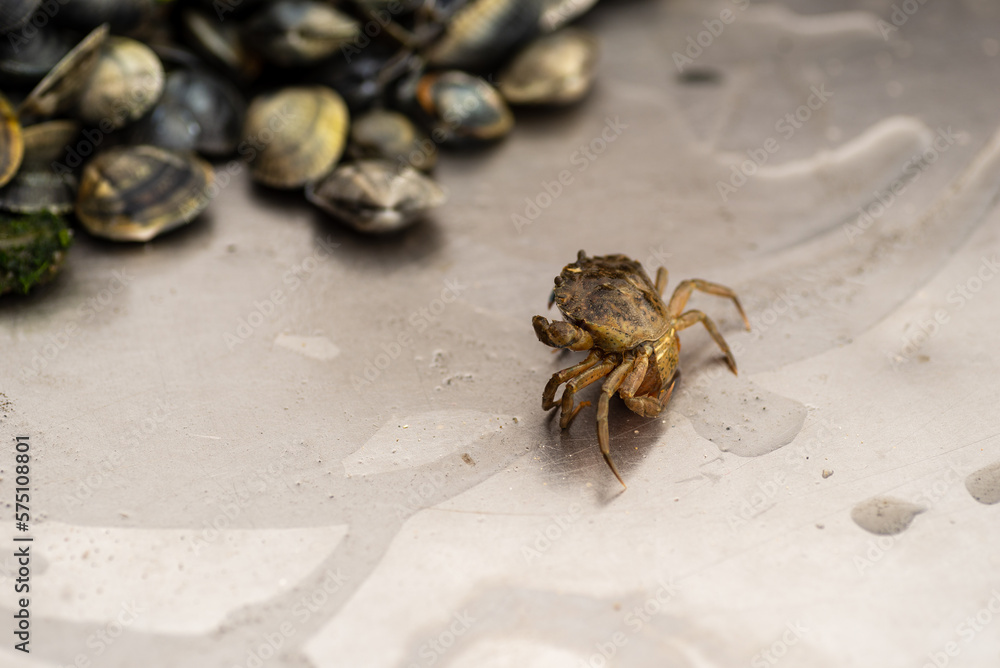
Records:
x=559, y=280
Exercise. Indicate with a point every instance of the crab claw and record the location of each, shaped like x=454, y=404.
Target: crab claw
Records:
x=560, y=334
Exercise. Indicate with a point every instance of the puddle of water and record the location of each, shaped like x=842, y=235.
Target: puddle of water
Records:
x=742, y=418
x=984, y=484
x=885, y=515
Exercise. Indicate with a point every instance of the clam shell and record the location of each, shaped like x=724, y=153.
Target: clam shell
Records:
x=38, y=185
x=57, y=92
x=198, y=111
x=554, y=69
x=26, y=61
x=463, y=107
x=297, y=134
x=391, y=136
x=299, y=32
x=375, y=195
x=220, y=42
x=136, y=193
x=483, y=31
x=122, y=16
x=15, y=13
x=557, y=13
x=11, y=142
x=125, y=83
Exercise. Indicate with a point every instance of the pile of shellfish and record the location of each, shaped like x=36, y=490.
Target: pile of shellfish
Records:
x=113, y=112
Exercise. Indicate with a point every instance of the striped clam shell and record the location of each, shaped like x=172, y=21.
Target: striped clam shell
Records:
x=138, y=192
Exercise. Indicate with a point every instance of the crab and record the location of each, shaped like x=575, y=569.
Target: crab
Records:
x=616, y=312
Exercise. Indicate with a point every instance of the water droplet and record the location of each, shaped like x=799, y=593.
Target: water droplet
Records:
x=984, y=484
x=885, y=515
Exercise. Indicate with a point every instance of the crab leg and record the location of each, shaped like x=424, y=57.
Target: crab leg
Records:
x=692, y=317
x=661, y=280
x=600, y=371
x=650, y=406
x=683, y=292
x=611, y=386
x=560, y=377
x=635, y=377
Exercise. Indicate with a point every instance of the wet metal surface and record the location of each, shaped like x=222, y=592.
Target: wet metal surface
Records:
x=265, y=438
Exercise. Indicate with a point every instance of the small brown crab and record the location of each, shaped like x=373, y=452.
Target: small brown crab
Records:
x=614, y=311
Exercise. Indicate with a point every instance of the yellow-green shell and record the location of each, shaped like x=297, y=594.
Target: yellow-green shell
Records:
x=11, y=142
x=296, y=135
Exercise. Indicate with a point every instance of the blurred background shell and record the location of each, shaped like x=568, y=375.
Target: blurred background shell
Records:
x=299, y=32
x=138, y=192
x=359, y=77
x=198, y=111
x=391, y=136
x=375, y=195
x=25, y=61
x=554, y=69
x=462, y=107
x=297, y=134
x=482, y=31
x=45, y=182
x=221, y=42
x=11, y=142
x=15, y=13
x=124, y=84
x=58, y=90
x=557, y=13
x=123, y=17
